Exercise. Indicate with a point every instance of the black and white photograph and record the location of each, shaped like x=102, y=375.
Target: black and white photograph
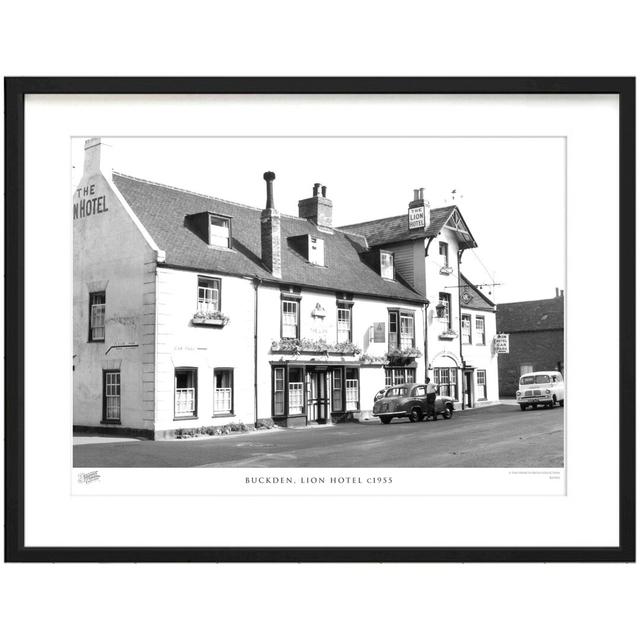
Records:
x=314, y=302
x=359, y=317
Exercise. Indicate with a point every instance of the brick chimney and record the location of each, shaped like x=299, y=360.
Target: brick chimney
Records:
x=270, y=231
x=97, y=158
x=318, y=209
x=419, y=214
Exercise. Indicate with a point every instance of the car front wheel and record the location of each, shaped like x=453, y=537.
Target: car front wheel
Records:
x=415, y=415
x=447, y=413
x=523, y=407
x=385, y=419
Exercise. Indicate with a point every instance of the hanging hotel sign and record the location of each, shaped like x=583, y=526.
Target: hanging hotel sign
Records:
x=416, y=218
x=87, y=203
x=501, y=342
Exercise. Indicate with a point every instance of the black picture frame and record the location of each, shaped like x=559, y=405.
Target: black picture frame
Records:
x=16, y=89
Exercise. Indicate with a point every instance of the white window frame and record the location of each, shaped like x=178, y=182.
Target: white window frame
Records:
x=351, y=391
x=279, y=390
x=209, y=296
x=344, y=323
x=481, y=385
x=222, y=396
x=112, y=396
x=295, y=392
x=185, y=398
x=97, y=312
x=466, y=324
x=407, y=330
x=444, y=255
x=445, y=316
x=290, y=318
x=481, y=336
x=219, y=238
x=387, y=265
x=316, y=251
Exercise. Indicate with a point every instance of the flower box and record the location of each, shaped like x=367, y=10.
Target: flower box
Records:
x=305, y=345
x=211, y=322
x=210, y=319
x=446, y=271
x=448, y=335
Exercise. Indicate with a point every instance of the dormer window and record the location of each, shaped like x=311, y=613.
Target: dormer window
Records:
x=316, y=251
x=386, y=265
x=219, y=231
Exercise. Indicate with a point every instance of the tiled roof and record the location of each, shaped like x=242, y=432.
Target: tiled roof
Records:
x=395, y=228
x=478, y=299
x=532, y=315
x=162, y=210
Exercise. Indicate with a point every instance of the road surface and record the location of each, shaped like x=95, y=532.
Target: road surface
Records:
x=497, y=436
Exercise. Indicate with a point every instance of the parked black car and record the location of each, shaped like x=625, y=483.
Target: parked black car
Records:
x=409, y=401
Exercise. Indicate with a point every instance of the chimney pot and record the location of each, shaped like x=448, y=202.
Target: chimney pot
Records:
x=269, y=177
x=318, y=209
x=97, y=158
x=270, y=231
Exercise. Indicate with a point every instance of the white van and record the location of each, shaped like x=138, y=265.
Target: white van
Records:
x=545, y=388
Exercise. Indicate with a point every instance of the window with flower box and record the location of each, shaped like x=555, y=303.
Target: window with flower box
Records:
x=401, y=329
x=208, y=294
x=344, y=322
x=444, y=310
x=290, y=319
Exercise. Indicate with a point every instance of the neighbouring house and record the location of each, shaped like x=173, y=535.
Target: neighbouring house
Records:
x=478, y=331
x=193, y=311
x=425, y=247
x=536, y=339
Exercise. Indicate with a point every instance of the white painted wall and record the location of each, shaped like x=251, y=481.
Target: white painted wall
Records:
x=110, y=254
x=183, y=344
x=483, y=356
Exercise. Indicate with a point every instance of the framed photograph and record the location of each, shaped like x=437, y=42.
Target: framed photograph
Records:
x=320, y=319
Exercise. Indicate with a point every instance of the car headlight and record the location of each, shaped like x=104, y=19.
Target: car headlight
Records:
x=547, y=391
x=518, y=394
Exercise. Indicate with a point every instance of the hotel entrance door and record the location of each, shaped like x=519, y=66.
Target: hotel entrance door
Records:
x=317, y=397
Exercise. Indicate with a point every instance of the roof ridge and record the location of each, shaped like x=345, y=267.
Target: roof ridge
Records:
x=350, y=233
x=359, y=224
x=502, y=304
x=193, y=193
x=401, y=215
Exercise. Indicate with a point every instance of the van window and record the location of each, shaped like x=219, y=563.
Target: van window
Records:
x=539, y=379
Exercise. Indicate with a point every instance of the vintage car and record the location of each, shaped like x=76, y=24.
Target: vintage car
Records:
x=545, y=388
x=409, y=401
